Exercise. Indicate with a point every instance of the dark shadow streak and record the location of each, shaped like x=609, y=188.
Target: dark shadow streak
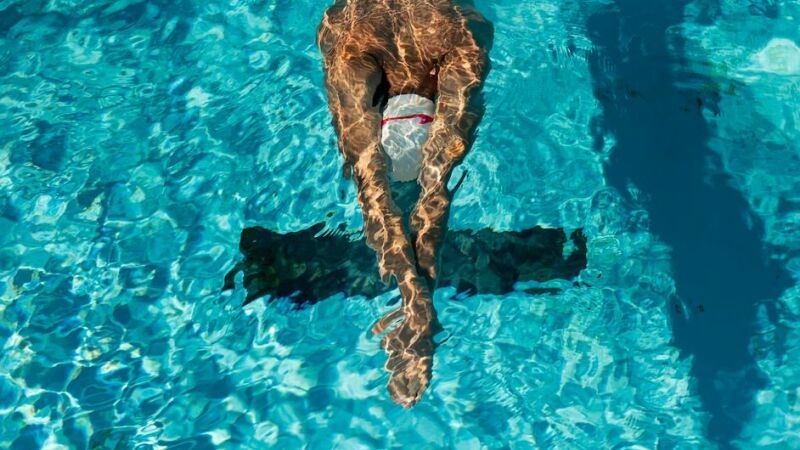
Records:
x=653, y=107
x=309, y=269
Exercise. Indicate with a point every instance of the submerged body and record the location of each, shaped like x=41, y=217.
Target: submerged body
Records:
x=422, y=47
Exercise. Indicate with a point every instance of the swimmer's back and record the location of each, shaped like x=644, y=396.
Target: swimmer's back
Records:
x=407, y=37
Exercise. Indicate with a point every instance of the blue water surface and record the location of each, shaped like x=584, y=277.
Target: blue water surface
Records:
x=139, y=138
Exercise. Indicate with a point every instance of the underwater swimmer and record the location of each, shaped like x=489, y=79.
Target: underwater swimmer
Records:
x=430, y=60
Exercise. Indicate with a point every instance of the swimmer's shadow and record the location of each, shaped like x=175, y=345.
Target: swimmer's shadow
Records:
x=308, y=269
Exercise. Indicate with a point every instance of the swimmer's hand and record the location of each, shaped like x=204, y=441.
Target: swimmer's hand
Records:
x=410, y=348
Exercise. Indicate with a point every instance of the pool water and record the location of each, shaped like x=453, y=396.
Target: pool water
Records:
x=139, y=138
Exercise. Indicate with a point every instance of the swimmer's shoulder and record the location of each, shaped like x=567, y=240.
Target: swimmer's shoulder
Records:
x=355, y=21
x=474, y=26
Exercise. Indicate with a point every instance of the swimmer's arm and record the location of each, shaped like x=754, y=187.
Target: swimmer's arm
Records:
x=460, y=75
x=350, y=85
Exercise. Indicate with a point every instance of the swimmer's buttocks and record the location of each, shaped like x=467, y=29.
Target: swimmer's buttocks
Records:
x=404, y=130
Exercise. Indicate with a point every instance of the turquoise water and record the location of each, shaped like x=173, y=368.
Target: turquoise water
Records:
x=139, y=138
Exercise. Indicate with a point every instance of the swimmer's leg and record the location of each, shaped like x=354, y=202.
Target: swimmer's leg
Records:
x=460, y=74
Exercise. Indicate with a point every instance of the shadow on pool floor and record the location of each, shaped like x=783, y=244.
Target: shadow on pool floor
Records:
x=653, y=104
x=309, y=269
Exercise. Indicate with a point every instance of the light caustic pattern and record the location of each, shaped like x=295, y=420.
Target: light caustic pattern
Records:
x=139, y=138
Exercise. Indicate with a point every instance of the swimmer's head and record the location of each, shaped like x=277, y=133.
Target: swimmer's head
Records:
x=404, y=130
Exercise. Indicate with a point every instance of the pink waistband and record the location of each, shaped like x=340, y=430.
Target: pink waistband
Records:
x=423, y=118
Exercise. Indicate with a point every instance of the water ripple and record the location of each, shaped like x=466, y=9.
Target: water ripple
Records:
x=139, y=138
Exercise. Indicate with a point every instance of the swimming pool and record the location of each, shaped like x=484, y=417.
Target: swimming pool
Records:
x=140, y=138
